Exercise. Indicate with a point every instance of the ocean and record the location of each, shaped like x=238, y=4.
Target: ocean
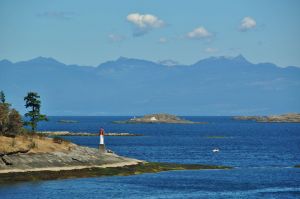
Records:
x=263, y=156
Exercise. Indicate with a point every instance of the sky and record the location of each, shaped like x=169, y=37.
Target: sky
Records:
x=92, y=32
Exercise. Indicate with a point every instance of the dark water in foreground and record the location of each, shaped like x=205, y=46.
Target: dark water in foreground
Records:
x=263, y=155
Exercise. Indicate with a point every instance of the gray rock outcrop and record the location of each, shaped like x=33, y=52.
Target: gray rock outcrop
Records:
x=78, y=156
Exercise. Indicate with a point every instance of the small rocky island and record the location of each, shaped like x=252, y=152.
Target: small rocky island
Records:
x=158, y=118
x=68, y=121
x=290, y=117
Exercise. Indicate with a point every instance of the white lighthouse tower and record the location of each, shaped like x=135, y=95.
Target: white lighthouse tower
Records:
x=101, y=143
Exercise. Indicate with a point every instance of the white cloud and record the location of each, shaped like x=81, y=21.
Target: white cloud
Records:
x=211, y=50
x=247, y=23
x=163, y=40
x=144, y=22
x=199, y=33
x=115, y=37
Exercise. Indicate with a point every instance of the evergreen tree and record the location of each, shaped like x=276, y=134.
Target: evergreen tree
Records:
x=2, y=97
x=32, y=101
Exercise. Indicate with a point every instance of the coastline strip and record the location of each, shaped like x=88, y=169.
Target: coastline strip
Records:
x=66, y=168
x=119, y=169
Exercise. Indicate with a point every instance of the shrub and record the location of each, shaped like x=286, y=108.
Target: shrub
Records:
x=15, y=124
x=4, y=112
x=11, y=122
x=32, y=144
x=59, y=140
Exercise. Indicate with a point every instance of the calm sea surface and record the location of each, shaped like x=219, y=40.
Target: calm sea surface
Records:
x=263, y=155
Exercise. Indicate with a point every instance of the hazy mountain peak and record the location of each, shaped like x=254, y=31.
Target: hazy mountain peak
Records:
x=43, y=60
x=240, y=58
x=5, y=61
x=122, y=58
x=127, y=62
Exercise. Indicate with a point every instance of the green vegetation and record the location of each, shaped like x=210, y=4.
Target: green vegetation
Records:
x=10, y=120
x=32, y=101
x=11, y=123
x=152, y=167
x=297, y=166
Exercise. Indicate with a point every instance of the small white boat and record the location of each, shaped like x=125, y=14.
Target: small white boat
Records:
x=216, y=150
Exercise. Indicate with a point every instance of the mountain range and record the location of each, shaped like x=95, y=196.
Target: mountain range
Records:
x=126, y=86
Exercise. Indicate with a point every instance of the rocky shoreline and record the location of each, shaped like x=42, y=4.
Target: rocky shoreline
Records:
x=46, y=159
x=290, y=117
x=125, y=170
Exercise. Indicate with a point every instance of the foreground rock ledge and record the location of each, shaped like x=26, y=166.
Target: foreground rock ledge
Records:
x=25, y=158
x=141, y=167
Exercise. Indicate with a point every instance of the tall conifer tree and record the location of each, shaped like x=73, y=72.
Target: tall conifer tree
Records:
x=34, y=104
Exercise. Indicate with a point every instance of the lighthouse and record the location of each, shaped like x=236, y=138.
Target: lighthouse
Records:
x=101, y=141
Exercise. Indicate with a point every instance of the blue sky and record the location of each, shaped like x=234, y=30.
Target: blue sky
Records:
x=94, y=31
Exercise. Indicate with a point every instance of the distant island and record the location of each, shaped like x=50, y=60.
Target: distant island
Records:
x=290, y=117
x=68, y=121
x=158, y=118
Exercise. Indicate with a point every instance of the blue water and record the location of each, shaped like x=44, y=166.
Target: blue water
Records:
x=263, y=155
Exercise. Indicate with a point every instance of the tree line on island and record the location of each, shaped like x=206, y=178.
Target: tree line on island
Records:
x=11, y=122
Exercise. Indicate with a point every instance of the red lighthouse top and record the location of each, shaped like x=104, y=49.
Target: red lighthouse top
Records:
x=101, y=132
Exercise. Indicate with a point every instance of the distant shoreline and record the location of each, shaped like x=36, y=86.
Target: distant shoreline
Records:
x=68, y=133
x=285, y=118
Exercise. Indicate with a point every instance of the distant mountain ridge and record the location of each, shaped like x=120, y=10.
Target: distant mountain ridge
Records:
x=127, y=86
